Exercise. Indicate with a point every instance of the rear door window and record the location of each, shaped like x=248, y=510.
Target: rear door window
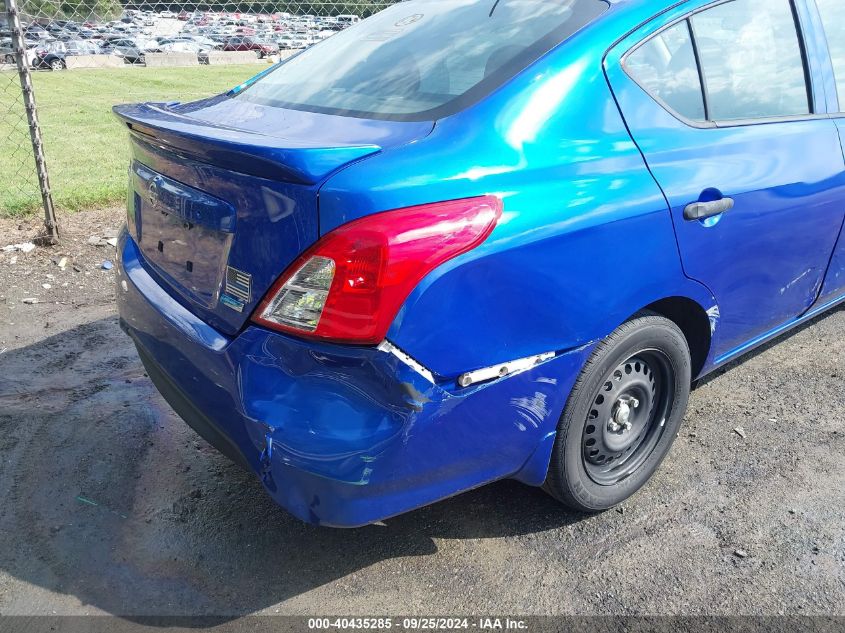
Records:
x=833, y=18
x=740, y=60
x=422, y=59
x=751, y=59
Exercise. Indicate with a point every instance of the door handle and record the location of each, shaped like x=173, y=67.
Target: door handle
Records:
x=701, y=210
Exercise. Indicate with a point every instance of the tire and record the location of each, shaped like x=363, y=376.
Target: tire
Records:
x=57, y=64
x=9, y=59
x=610, y=439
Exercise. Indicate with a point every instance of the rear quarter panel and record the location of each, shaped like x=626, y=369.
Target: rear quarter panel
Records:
x=585, y=240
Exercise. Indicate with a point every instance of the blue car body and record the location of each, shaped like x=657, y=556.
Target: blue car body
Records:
x=594, y=176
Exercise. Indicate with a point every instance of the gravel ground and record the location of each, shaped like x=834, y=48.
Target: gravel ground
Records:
x=110, y=504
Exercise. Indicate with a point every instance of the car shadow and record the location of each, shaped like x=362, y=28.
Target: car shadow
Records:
x=107, y=496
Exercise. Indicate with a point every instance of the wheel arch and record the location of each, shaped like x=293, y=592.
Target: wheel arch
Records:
x=698, y=325
x=693, y=321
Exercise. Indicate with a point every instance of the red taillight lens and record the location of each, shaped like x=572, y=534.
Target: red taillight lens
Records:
x=349, y=286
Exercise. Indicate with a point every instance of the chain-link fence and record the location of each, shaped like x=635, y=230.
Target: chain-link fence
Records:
x=84, y=56
x=18, y=178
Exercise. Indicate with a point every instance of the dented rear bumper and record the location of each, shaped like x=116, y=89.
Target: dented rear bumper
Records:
x=340, y=435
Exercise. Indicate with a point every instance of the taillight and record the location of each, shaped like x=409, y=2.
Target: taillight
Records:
x=349, y=286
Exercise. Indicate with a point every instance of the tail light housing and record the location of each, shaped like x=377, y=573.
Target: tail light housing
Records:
x=349, y=286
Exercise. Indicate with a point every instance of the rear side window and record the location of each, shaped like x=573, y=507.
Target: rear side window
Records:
x=665, y=66
x=833, y=17
x=422, y=59
x=740, y=60
x=751, y=60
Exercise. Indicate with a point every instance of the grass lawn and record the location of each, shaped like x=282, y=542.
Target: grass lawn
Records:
x=86, y=148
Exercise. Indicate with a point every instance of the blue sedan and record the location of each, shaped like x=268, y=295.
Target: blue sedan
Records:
x=469, y=240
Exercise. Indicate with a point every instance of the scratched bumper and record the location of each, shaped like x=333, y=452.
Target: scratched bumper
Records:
x=340, y=435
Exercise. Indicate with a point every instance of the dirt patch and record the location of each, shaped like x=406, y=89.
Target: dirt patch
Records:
x=37, y=295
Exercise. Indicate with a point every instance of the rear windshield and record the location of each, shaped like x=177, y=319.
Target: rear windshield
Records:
x=422, y=59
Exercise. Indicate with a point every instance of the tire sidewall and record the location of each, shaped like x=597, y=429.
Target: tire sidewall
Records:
x=653, y=333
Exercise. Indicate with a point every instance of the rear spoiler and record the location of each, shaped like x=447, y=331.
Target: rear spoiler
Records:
x=237, y=150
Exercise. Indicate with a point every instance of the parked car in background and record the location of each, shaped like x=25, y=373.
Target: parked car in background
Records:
x=184, y=46
x=36, y=31
x=206, y=43
x=54, y=55
x=288, y=42
x=7, y=53
x=346, y=19
x=70, y=25
x=132, y=51
x=261, y=48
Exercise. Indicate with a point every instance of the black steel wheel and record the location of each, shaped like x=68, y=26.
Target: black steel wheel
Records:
x=627, y=417
x=622, y=415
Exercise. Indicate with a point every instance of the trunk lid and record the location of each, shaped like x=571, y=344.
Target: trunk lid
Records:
x=223, y=194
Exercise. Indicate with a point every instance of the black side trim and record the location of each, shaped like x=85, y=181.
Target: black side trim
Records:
x=186, y=410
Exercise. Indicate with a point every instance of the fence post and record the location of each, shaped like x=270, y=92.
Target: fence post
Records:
x=32, y=118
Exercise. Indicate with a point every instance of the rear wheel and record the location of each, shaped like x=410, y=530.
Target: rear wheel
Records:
x=622, y=415
x=57, y=64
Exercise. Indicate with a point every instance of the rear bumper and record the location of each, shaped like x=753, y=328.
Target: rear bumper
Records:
x=188, y=411
x=340, y=435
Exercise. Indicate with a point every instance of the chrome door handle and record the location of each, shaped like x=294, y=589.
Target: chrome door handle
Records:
x=701, y=210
